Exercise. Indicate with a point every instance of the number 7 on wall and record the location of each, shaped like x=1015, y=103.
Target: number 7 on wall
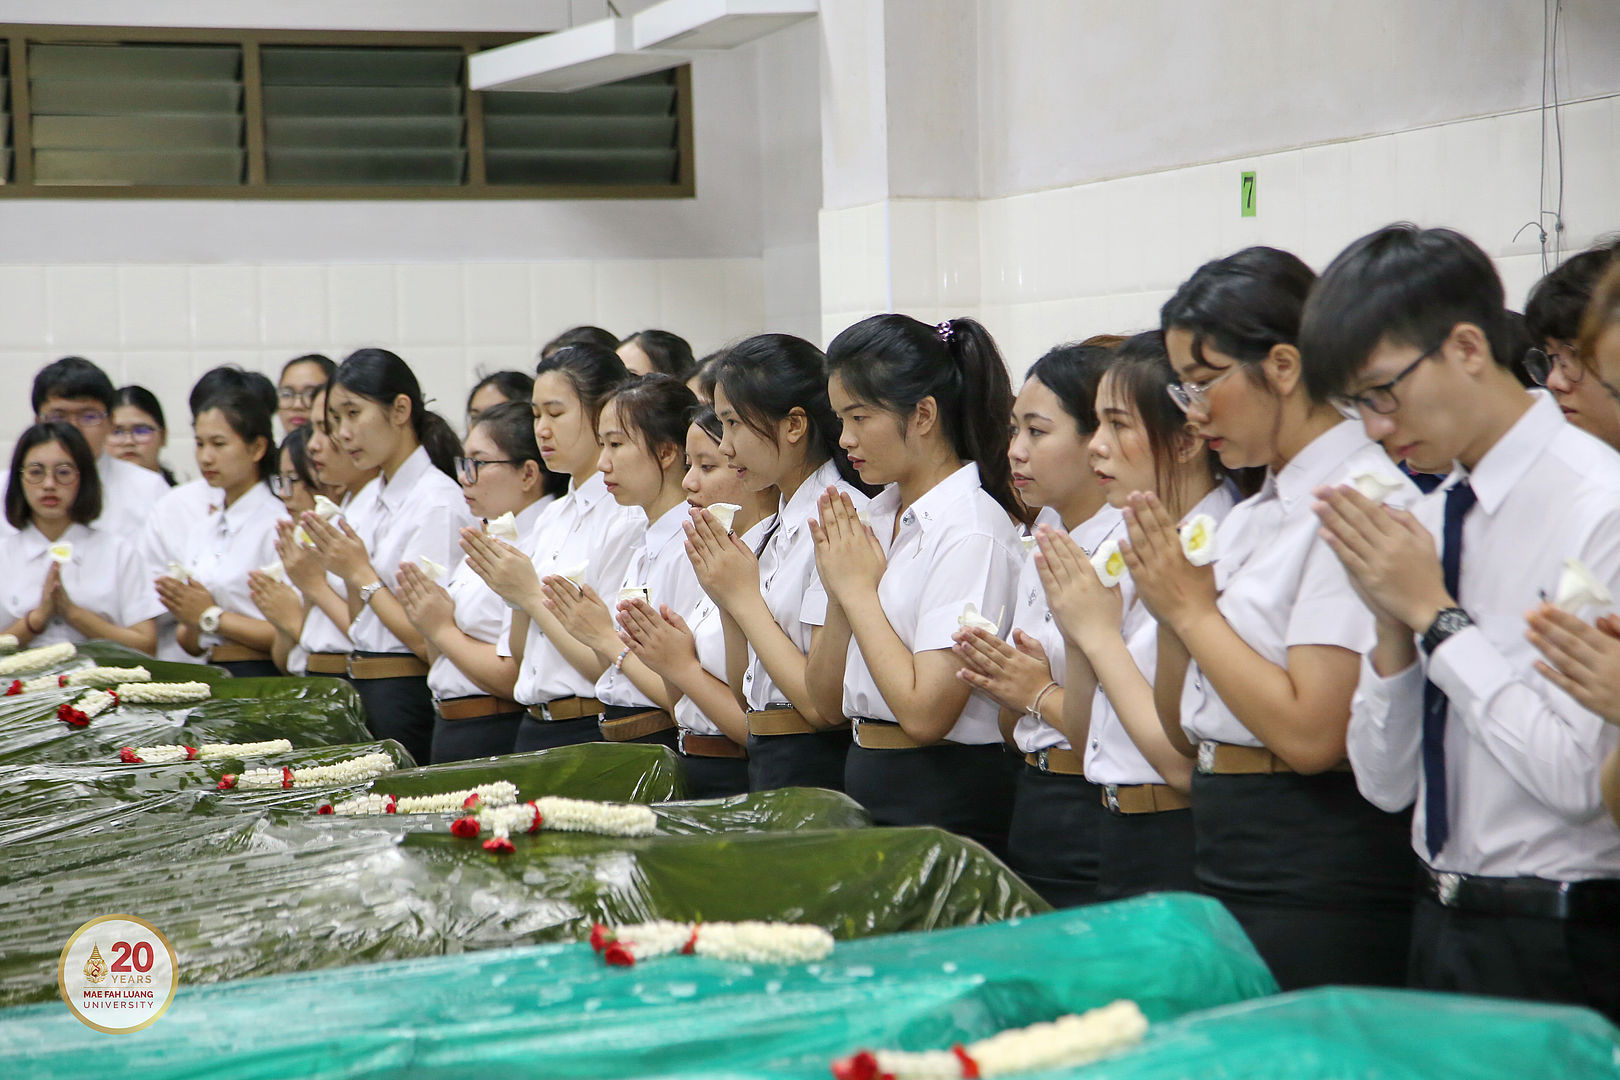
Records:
x=1246, y=195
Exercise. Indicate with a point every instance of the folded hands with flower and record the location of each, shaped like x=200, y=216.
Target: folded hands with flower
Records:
x=1392, y=560
x=1173, y=589
x=504, y=568
x=426, y=603
x=1085, y=609
x=186, y=600
x=278, y=602
x=581, y=612
x=301, y=564
x=339, y=549
x=659, y=638
x=848, y=556
x=725, y=567
x=1582, y=659
x=1012, y=674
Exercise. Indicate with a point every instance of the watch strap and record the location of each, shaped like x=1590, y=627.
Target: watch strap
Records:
x=1447, y=622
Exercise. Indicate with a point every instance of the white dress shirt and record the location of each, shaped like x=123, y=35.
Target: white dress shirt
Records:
x=224, y=548
x=1112, y=756
x=1280, y=584
x=1522, y=758
x=163, y=540
x=480, y=612
x=787, y=572
x=1034, y=617
x=587, y=525
x=129, y=494
x=421, y=511
x=660, y=565
x=956, y=546
x=709, y=635
x=105, y=575
x=320, y=633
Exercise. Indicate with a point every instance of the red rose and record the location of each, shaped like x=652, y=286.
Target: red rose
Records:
x=71, y=716
x=499, y=845
x=227, y=782
x=324, y=808
x=464, y=827
x=15, y=688
x=128, y=756
x=617, y=955
x=191, y=753
x=691, y=943
x=61, y=680
x=970, y=1068
x=114, y=695
x=534, y=822
x=392, y=806
x=471, y=802
x=286, y=777
x=599, y=936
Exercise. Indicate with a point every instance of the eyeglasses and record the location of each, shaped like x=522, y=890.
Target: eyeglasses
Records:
x=467, y=467
x=1380, y=399
x=138, y=432
x=282, y=484
x=291, y=395
x=63, y=474
x=1540, y=364
x=89, y=418
x=1189, y=396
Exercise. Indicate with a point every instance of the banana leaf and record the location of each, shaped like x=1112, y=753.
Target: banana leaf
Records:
x=559, y=1012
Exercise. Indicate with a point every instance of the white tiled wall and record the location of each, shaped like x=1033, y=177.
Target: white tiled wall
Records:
x=1058, y=265
x=163, y=325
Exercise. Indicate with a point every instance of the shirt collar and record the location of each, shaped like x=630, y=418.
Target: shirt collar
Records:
x=667, y=527
x=35, y=544
x=393, y=492
x=525, y=520
x=1505, y=464
x=255, y=501
x=591, y=492
x=938, y=504
x=801, y=506
x=1318, y=463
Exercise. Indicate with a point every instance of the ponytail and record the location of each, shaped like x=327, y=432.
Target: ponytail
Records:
x=381, y=376
x=440, y=441
x=894, y=361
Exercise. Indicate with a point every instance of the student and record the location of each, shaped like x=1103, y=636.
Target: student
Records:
x=497, y=389
x=1521, y=883
x=376, y=403
x=78, y=392
x=647, y=351
x=1553, y=317
x=925, y=413
x=138, y=433
x=301, y=377
x=273, y=593
x=1257, y=656
x=461, y=617
x=690, y=654
x=67, y=577
x=1052, y=841
x=580, y=335
x=585, y=527
x=701, y=380
x=211, y=600
x=780, y=434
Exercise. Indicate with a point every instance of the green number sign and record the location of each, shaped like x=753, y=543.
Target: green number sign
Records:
x=1247, y=195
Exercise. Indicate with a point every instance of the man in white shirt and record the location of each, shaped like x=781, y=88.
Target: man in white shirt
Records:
x=1521, y=883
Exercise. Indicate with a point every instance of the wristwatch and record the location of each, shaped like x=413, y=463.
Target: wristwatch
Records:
x=1448, y=621
x=208, y=621
x=368, y=591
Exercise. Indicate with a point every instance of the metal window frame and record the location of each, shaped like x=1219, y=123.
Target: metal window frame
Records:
x=19, y=36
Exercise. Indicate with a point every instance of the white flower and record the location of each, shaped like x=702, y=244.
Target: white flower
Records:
x=301, y=538
x=970, y=617
x=364, y=767
x=576, y=574
x=1198, y=539
x=1578, y=587
x=326, y=509
x=9, y=643
x=608, y=819
x=1063, y=1043
x=95, y=703
x=1030, y=544
x=503, y=528
x=31, y=660
x=108, y=676
x=1109, y=564
x=637, y=592
x=166, y=754
x=61, y=552
x=245, y=749
x=738, y=942
x=724, y=513
x=158, y=693
x=433, y=570
x=43, y=682
x=863, y=517
x=181, y=574
x=275, y=572
x=1376, y=486
x=499, y=793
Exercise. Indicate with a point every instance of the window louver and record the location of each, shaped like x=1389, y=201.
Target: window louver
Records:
x=622, y=133
x=117, y=114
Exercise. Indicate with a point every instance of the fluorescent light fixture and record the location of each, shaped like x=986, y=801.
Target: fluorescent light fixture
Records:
x=587, y=55
x=714, y=24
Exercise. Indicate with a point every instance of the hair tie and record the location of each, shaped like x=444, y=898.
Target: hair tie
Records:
x=944, y=331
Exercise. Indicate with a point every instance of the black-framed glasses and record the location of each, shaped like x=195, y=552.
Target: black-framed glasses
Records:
x=1189, y=396
x=303, y=399
x=284, y=484
x=467, y=467
x=1380, y=399
x=1540, y=364
x=63, y=474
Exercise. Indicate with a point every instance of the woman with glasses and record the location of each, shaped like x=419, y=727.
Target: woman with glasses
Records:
x=138, y=433
x=68, y=578
x=1553, y=317
x=301, y=378
x=1259, y=654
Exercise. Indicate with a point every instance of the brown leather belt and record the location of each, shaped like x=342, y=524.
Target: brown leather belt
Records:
x=327, y=663
x=637, y=725
x=778, y=720
x=1142, y=798
x=566, y=708
x=229, y=652
x=693, y=744
x=387, y=667
x=474, y=708
x=1055, y=759
x=881, y=735
x=1226, y=759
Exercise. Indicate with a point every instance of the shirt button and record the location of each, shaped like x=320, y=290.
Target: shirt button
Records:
x=1094, y=744
x=1048, y=616
x=909, y=518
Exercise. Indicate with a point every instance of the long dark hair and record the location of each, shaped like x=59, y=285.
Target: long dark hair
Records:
x=894, y=361
x=1141, y=374
x=767, y=376
x=656, y=410
x=87, y=504
x=1073, y=372
x=381, y=376
x=667, y=352
x=296, y=447
x=1243, y=305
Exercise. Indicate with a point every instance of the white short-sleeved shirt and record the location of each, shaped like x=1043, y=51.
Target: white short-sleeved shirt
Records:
x=709, y=635
x=1280, y=584
x=787, y=573
x=163, y=540
x=660, y=565
x=956, y=546
x=231, y=543
x=1522, y=758
x=480, y=611
x=421, y=511
x=587, y=525
x=1033, y=616
x=105, y=575
x=1112, y=756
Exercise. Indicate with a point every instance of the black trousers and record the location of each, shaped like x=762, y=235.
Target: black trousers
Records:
x=1143, y=853
x=400, y=709
x=252, y=669
x=1053, y=836
x=814, y=759
x=966, y=789
x=1322, y=881
x=714, y=778
x=482, y=736
x=1557, y=960
x=535, y=734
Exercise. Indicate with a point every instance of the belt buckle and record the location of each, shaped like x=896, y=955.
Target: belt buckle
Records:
x=855, y=731
x=1206, y=757
x=1043, y=759
x=1111, y=794
x=680, y=741
x=545, y=713
x=348, y=665
x=1446, y=887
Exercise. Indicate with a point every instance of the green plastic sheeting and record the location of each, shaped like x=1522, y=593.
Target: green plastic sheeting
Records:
x=559, y=1012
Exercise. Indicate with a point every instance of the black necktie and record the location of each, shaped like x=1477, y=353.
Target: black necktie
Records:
x=1437, y=824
